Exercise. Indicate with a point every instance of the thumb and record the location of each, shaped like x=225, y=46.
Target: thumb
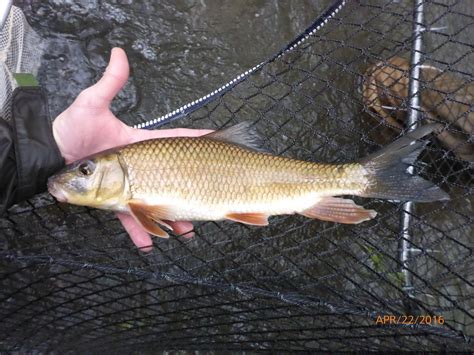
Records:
x=113, y=80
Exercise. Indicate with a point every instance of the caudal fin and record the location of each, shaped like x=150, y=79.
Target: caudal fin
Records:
x=387, y=168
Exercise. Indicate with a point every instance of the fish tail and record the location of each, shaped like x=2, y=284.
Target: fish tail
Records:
x=388, y=175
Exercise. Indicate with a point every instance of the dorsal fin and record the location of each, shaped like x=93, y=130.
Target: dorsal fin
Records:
x=242, y=134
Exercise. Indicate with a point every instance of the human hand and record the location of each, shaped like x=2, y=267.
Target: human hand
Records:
x=88, y=126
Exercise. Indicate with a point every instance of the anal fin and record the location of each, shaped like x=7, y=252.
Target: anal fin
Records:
x=341, y=210
x=150, y=216
x=256, y=219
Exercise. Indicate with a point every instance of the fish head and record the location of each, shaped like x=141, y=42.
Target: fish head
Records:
x=99, y=182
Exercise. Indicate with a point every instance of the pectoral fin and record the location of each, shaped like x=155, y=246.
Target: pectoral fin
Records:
x=339, y=210
x=148, y=217
x=256, y=219
x=149, y=225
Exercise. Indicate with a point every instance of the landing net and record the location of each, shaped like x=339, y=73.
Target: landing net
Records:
x=71, y=281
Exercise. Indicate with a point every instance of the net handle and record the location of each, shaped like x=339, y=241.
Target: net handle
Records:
x=5, y=6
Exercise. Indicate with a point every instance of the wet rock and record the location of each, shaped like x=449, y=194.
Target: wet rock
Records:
x=145, y=49
x=64, y=72
x=127, y=99
x=114, y=13
x=97, y=52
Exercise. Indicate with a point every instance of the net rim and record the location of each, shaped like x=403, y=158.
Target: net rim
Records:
x=188, y=108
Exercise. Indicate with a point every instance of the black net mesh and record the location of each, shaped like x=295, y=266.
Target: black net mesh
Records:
x=72, y=281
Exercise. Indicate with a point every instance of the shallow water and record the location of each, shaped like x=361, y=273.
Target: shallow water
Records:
x=178, y=50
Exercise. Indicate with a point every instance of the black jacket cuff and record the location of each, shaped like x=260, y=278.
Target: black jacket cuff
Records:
x=37, y=155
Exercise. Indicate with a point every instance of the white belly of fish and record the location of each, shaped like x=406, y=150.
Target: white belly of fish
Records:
x=184, y=210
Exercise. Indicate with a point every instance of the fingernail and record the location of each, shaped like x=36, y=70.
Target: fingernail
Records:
x=146, y=248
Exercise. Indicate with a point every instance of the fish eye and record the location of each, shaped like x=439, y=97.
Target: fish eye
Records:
x=86, y=168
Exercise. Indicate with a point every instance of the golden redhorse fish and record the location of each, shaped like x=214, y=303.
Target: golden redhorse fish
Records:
x=224, y=175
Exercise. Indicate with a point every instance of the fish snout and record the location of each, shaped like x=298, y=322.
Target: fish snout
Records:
x=56, y=191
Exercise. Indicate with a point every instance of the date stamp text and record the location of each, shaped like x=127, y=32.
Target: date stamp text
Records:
x=409, y=320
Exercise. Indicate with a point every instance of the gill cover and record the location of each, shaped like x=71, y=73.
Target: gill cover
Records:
x=98, y=181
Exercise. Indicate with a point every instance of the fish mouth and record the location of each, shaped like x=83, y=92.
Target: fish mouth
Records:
x=56, y=192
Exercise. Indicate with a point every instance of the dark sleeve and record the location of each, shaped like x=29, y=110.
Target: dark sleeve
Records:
x=28, y=152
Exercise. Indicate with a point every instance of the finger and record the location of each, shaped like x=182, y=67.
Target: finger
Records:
x=182, y=228
x=137, y=135
x=139, y=236
x=113, y=80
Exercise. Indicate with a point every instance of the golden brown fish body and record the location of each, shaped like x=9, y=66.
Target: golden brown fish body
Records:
x=221, y=176
x=206, y=179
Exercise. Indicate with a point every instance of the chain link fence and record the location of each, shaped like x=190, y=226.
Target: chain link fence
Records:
x=72, y=281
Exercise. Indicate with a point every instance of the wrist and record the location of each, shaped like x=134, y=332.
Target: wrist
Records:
x=58, y=138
